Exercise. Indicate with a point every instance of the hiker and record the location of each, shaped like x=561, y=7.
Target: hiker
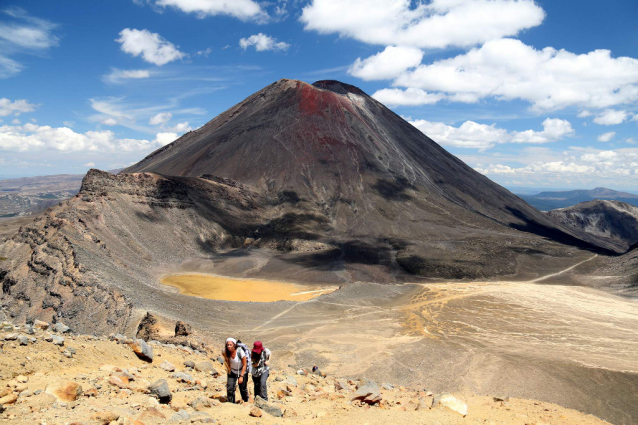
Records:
x=260, y=359
x=236, y=362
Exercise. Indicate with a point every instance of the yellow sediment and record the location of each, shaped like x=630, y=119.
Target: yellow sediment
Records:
x=226, y=288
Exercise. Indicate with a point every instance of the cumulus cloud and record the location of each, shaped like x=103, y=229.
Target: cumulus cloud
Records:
x=179, y=128
x=118, y=76
x=414, y=97
x=482, y=136
x=389, y=63
x=263, y=42
x=151, y=46
x=109, y=121
x=31, y=137
x=16, y=107
x=241, y=9
x=435, y=24
x=550, y=79
x=90, y=164
x=555, y=167
x=161, y=118
x=611, y=117
x=606, y=137
x=23, y=33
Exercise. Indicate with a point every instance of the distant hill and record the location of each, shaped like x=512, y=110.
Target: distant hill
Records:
x=613, y=221
x=546, y=201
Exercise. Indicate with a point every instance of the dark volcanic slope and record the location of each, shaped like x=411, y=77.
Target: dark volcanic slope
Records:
x=546, y=201
x=613, y=221
x=370, y=171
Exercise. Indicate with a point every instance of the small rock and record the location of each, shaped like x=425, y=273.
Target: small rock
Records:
x=206, y=367
x=22, y=379
x=387, y=386
x=201, y=403
x=39, y=324
x=65, y=391
x=92, y=392
x=189, y=364
x=270, y=408
x=151, y=414
x=182, y=415
x=9, y=399
x=451, y=402
x=220, y=359
x=368, y=393
x=6, y=327
x=10, y=337
x=256, y=412
x=182, y=377
x=201, y=418
x=105, y=417
x=291, y=380
x=279, y=378
x=340, y=384
x=497, y=399
x=160, y=390
x=422, y=405
x=61, y=328
x=23, y=340
x=57, y=340
x=182, y=329
x=167, y=366
x=142, y=349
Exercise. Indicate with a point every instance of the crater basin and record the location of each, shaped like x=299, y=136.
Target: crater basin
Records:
x=231, y=289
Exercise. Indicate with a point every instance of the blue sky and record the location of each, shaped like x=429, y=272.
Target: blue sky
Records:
x=533, y=94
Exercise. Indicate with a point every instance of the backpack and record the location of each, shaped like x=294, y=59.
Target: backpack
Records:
x=244, y=347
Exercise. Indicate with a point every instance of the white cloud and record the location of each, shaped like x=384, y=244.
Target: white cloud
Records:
x=606, y=137
x=263, y=42
x=481, y=136
x=90, y=164
x=22, y=33
x=109, y=121
x=151, y=46
x=16, y=107
x=179, y=128
x=68, y=123
x=436, y=24
x=604, y=156
x=395, y=97
x=584, y=114
x=611, y=117
x=161, y=118
x=118, y=76
x=31, y=137
x=389, y=63
x=241, y=9
x=16, y=121
x=550, y=79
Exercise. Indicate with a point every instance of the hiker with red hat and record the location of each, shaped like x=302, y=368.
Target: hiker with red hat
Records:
x=260, y=357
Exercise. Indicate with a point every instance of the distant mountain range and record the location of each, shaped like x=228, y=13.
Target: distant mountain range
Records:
x=546, y=201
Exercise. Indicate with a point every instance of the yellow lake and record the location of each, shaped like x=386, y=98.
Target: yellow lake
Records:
x=230, y=289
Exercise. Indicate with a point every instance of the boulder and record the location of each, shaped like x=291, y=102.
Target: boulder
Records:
x=10, y=337
x=167, y=366
x=450, y=402
x=23, y=340
x=65, y=391
x=57, y=340
x=189, y=364
x=270, y=408
x=160, y=390
x=61, y=328
x=369, y=393
x=182, y=329
x=141, y=349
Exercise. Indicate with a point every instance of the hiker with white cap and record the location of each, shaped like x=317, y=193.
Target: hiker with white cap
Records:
x=235, y=360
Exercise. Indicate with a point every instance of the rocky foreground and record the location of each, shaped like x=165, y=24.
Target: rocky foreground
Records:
x=49, y=375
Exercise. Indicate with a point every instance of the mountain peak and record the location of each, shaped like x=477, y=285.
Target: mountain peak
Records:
x=338, y=87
